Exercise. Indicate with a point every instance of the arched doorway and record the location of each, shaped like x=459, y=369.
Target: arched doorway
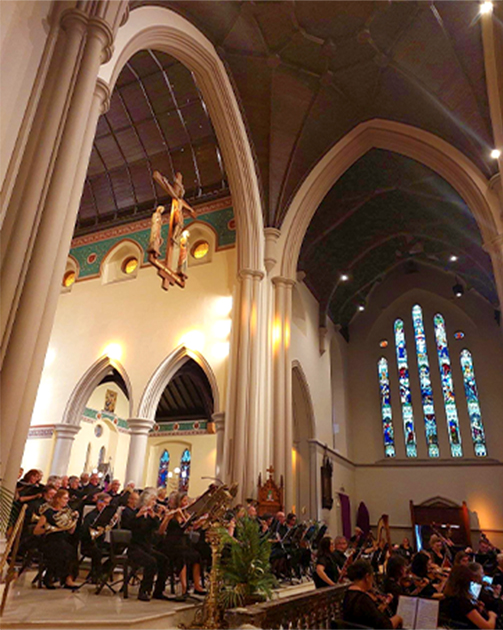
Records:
x=303, y=431
x=183, y=432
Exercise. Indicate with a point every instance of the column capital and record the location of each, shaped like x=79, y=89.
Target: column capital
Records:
x=102, y=91
x=140, y=426
x=272, y=235
x=66, y=431
x=219, y=420
x=494, y=245
x=251, y=273
x=103, y=30
x=282, y=281
x=73, y=17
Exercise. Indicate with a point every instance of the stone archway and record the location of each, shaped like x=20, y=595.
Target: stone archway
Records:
x=162, y=29
x=303, y=432
x=411, y=142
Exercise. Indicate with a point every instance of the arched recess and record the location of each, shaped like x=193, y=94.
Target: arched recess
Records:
x=410, y=141
x=303, y=432
x=88, y=383
x=165, y=372
x=160, y=28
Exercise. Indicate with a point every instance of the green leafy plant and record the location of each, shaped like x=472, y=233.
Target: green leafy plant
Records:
x=245, y=567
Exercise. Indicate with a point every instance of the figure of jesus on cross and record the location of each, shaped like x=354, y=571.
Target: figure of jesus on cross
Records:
x=174, y=269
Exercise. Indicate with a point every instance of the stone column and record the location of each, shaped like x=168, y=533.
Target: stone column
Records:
x=282, y=385
x=50, y=230
x=65, y=434
x=219, y=420
x=139, y=430
x=495, y=250
x=241, y=439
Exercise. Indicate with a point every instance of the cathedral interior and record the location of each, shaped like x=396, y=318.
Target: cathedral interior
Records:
x=321, y=287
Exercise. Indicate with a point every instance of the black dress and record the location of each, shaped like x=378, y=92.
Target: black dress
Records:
x=330, y=566
x=360, y=608
x=60, y=556
x=141, y=553
x=457, y=609
x=175, y=546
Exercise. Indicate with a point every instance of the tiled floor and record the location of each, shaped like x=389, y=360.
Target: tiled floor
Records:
x=29, y=607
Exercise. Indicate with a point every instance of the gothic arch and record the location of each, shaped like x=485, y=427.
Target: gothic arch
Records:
x=162, y=29
x=410, y=141
x=88, y=383
x=165, y=372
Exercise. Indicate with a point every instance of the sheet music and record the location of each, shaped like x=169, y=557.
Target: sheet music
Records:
x=427, y=614
x=407, y=607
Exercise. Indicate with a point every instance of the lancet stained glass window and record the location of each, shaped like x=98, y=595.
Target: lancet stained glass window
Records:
x=162, y=475
x=387, y=423
x=405, y=395
x=444, y=362
x=430, y=422
x=472, y=402
x=183, y=484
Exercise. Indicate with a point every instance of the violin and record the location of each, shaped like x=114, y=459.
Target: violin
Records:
x=383, y=601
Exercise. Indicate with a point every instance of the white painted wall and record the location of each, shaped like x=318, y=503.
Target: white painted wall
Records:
x=203, y=449
x=382, y=486
x=23, y=35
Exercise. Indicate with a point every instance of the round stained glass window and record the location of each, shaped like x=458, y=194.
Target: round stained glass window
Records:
x=383, y=343
x=130, y=265
x=69, y=278
x=459, y=334
x=200, y=249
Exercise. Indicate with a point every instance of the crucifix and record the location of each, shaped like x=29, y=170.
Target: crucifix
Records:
x=174, y=268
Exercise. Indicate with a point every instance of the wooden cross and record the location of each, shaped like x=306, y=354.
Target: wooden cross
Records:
x=270, y=470
x=177, y=236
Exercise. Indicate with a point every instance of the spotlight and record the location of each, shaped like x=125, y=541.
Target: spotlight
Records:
x=177, y=470
x=344, y=277
x=361, y=307
x=486, y=8
x=495, y=154
x=453, y=258
x=458, y=289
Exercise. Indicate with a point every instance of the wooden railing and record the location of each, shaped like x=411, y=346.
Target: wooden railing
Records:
x=315, y=609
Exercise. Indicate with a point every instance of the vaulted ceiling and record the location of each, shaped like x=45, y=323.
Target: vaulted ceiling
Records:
x=187, y=396
x=305, y=73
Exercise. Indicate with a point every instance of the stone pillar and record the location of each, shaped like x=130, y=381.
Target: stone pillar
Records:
x=139, y=430
x=65, y=434
x=495, y=249
x=219, y=420
x=241, y=438
x=282, y=385
x=48, y=221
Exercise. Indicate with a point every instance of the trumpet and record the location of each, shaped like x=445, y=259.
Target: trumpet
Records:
x=96, y=532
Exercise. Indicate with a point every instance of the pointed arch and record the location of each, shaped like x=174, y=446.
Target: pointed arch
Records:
x=299, y=378
x=88, y=383
x=409, y=141
x=165, y=372
x=160, y=28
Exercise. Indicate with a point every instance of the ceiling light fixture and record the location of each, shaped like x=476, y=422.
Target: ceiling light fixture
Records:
x=458, y=289
x=486, y=8
x=495, y=154
x=361, y=307
x=344, y=277
x=453, y=258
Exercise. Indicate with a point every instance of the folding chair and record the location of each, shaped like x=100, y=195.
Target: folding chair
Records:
x=119, y=542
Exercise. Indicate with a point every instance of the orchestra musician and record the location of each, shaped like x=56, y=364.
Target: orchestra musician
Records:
x=141, y=551
x=426, y=584
x=437, y=552
x=129, y=511
x=498, y=573
x=94, y=545
x=489, y=594
x=57, y=523
x=326, y=572
x=114, y=492
x=176, y=546
x=340, y=548
x=92, y=489
x=405, y=550
x=486, y=555
x=458, y=604
x=359, y=607
x=394, y=583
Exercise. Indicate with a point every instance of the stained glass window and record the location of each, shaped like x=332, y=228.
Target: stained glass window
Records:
x=162, y=475
x=430, y=422
x=405, y=395
x=444, y=362
x=387, y=423
x=183, y=484
x=472, y=401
